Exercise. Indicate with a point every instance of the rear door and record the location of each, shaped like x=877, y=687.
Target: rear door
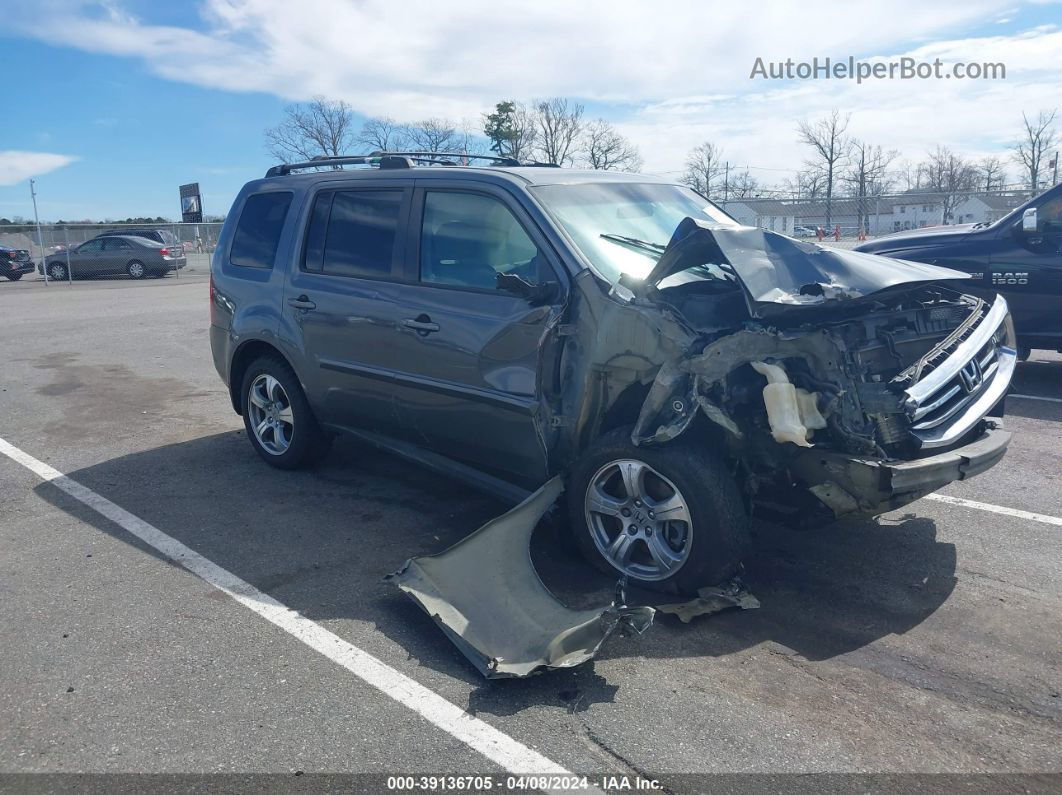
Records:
x=116, y=254
x=341, y=303
x=469, y=353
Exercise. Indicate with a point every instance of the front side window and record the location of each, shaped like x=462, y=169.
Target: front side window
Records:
x=623, y=227
x=254, y=244
x=1049, y=216
x=91, y=247
x=468, y=239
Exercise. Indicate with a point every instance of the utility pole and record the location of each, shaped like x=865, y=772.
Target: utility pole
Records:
x=726, y=182
x=37, y=220
x=1054, y=179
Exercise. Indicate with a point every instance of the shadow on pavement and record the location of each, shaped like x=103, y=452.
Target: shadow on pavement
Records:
x=320, y=541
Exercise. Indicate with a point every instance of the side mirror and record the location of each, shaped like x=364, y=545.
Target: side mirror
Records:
x=534, y=294
x=1028, y=220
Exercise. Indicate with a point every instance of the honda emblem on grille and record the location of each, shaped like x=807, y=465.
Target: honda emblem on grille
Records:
x=971, y=375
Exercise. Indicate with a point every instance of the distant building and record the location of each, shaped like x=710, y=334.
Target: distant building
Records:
x=879, y=215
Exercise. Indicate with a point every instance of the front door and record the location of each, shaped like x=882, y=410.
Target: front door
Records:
x=1028, y=271
x=468, y=351
x=87, y=260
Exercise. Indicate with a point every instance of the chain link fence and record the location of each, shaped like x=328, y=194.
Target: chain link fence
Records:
x=113, y=251
x=848, y=220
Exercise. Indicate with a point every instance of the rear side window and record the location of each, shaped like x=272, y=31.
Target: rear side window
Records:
x=353, y=233
x=254, y=244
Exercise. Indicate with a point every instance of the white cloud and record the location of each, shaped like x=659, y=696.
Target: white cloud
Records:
x=672, y=74
x=16, y=166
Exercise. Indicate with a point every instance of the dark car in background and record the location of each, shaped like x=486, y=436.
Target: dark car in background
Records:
x=15, y=263
x=163, y=236
x=1018, y=256
x=113, y=255
x=510, y=324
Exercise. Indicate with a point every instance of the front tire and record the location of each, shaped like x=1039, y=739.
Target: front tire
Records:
x=136, y=269
x=57, y=272
x=278, y=419
x=668, y=517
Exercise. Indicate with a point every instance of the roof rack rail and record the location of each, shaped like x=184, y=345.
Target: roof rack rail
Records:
x=391, y=160
x=380, y=159
x=435, y=157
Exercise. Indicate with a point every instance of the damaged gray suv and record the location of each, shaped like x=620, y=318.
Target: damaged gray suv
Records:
x=506, y=324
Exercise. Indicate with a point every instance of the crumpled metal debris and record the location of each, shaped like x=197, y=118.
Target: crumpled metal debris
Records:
x=487, y=597
x=712, y=600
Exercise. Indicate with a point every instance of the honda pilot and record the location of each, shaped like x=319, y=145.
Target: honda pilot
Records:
x=505, y=324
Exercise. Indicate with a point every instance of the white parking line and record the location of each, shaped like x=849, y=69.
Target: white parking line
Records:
x=987, y=506
x=1035, y=397
x=498, y=747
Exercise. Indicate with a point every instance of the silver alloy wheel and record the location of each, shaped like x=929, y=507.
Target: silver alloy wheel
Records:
x=57, y=271
x=639, y=520
x=270, y=414
x=136, y=270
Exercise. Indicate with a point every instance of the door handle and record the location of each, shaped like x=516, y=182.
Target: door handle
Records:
x=302, y=302
x=422, y=325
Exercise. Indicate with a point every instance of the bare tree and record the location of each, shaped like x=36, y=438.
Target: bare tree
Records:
x=805, y=184
x=907, y=174
x=319, y=127
x=382, y=134
x=950, y=175
x=433, y=135
x=560, y=127
x=469, y=140
x=607, y=150
x=829, y=147
x=866, y=175
x=704, y=165
x=744, y=186
x=992, y=173
x=1039, y=139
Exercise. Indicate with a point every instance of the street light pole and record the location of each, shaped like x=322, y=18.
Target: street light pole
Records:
x=37, y=220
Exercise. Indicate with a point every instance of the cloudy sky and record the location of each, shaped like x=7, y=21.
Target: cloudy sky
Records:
x=113, y=104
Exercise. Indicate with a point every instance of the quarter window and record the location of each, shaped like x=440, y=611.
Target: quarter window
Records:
x=254, y=244
x=468, y=239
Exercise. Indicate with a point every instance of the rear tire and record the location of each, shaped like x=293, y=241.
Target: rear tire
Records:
x=279, y=421
x=13, y=276
x=1024, y=353
x=702, y=545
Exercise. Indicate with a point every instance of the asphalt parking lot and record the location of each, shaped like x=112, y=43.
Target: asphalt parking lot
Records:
x=926, y=641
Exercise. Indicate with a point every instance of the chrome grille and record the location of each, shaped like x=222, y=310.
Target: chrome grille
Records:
x=951, y=398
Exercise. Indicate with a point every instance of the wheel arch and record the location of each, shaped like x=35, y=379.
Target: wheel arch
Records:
x=242, y=357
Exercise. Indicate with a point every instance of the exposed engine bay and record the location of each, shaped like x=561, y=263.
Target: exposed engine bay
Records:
x=894, y=374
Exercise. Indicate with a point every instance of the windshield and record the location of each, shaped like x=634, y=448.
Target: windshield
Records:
x=623, y=227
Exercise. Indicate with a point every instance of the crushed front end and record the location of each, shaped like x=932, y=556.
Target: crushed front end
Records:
x=831, y=399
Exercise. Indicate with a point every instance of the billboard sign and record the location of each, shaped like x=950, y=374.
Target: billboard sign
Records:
x=191, y=204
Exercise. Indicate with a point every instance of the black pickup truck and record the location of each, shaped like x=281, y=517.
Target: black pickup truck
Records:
x=1020, y=256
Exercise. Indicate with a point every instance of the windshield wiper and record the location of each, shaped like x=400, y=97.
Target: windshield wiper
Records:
x=635, y=243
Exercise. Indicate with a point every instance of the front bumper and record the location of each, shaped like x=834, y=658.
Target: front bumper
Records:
x=864, y=485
